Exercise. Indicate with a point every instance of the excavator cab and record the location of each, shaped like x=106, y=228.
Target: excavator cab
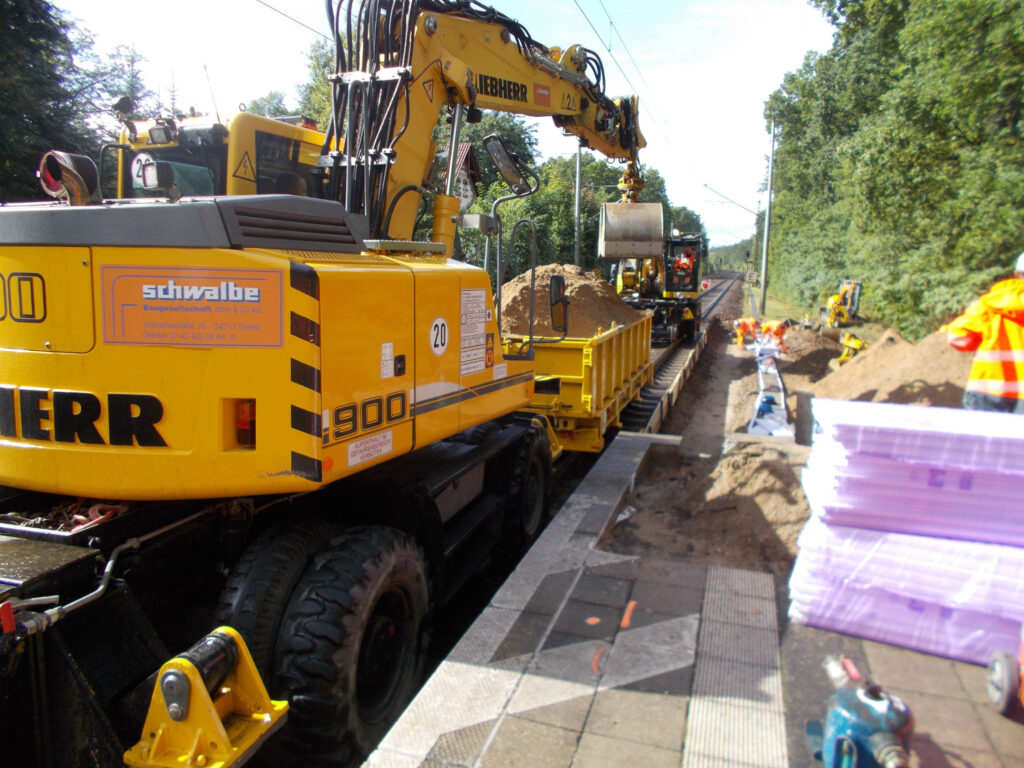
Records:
x=682, y=264
x=843, y=307
x=248, y=155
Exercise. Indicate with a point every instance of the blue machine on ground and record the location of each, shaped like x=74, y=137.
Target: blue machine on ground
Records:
x=865, y=727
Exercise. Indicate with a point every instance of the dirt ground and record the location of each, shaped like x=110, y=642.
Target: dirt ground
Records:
x=729, y=498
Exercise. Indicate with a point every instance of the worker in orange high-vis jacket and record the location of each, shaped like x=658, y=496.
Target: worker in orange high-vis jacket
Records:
x=993, y=328
x=776, y=330
x=745, y=327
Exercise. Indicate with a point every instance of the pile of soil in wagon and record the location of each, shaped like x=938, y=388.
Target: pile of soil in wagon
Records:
x=593, y=304
x=892, y=370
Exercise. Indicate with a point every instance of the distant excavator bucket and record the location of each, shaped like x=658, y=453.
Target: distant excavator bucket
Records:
x=631, y=231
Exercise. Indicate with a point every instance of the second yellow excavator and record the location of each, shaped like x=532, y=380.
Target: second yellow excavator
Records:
x=843, y=306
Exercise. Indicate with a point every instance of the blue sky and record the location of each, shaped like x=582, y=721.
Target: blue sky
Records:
x=705, y=70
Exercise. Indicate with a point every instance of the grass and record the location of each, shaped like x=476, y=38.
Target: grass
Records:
x=776, y=309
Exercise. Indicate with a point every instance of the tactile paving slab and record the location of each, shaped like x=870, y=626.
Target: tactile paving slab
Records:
x=736, y=713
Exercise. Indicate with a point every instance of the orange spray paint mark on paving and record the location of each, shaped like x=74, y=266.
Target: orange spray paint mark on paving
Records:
x=628, y=615
x=596, y=659
x=593, y=620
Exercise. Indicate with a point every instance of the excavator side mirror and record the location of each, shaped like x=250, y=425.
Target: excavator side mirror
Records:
x=559, y=305
x=508, y=164
x=157, y=176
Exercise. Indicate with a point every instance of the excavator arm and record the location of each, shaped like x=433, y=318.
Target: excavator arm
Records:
x=404, y=61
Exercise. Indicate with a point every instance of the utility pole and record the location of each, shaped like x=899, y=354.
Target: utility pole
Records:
x=767, y=225
x=576, y=243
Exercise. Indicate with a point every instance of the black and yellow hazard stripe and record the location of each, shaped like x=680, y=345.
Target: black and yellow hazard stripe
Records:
x=305, y=372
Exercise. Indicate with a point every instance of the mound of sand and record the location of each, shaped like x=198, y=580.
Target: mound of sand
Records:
x=893, y=370
x=808, y=353
x=744, y=508
x=593, y=303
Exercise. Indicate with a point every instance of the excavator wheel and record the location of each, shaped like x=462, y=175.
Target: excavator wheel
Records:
x=352, y=645
x=527, y=505
x=261, y=584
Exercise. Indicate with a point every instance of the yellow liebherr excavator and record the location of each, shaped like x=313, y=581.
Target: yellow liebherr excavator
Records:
x=284, y=389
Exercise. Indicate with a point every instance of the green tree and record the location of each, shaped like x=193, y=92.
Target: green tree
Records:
x=940, y=179
x=900, y=159
x=315, y=93
x=124, y=78
x=685, y=220
x=732, y=257
x=271, y=105
x=48, y=97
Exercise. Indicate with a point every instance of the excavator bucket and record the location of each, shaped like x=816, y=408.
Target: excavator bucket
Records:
x=631, y=231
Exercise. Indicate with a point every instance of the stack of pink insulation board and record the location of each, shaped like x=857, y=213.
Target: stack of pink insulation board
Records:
x=917, y=529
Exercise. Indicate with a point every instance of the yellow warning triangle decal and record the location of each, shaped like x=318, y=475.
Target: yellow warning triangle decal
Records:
x=428, y=86
x=245, y=169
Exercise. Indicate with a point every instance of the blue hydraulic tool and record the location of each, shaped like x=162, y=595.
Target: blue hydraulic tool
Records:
x=865, y=727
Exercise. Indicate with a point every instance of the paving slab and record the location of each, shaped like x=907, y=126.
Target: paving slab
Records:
x=592, y=659
x=521, y=743
x=581, y=655
x=635, y=717
x=597, y=751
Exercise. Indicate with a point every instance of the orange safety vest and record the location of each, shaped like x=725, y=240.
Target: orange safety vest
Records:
x=773, y=328
x=747, y=326
x=993, y=328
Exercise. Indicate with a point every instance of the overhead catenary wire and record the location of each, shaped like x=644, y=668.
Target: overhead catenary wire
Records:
x=621, y=70
x=650, y=91
x=292, y=18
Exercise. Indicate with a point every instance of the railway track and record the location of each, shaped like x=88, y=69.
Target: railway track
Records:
x=672, y=366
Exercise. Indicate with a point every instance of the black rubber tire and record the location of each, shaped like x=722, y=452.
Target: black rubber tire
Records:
x=1002, y=683
x=352, y=646
x=528, y=498
x=261, y=583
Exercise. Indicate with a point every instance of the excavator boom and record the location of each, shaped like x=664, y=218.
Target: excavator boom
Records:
x=405, y=61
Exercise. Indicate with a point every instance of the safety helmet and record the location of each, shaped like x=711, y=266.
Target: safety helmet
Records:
x=1020, y=263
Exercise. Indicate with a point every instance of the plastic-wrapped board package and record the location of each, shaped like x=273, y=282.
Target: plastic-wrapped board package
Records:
x=891, y=495
x=916, y=530
x=947, y=437
x=952, y=598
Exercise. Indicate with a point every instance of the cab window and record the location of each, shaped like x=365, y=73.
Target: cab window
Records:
x=195, y=173
x=680, y=268
x=284, y=166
